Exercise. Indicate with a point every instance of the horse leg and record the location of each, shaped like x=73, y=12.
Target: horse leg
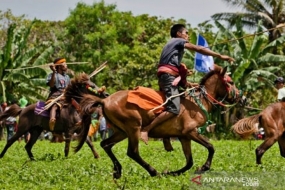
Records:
x=259, y=151
x=88, y=141
x=10, y=142
x=195, y=136
x=167, y=145
x=107, y=145
x=281, y=142
x=186, y=146
x=133, y=152
x=67, y=144
x=35, y=133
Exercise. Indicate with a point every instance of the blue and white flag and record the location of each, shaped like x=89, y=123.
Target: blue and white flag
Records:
x=203, y=63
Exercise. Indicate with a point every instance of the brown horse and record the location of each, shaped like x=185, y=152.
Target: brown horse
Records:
x=65, y=123
x=127, y=119
x=272, y=120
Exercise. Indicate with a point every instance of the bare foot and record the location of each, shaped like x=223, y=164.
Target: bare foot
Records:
x=144, y=137
x=51, y=124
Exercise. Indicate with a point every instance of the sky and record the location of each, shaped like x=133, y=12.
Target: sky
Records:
x=193, y=11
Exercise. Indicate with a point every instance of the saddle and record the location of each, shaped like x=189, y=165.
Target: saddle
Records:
x=40, y=108
x=147, y=98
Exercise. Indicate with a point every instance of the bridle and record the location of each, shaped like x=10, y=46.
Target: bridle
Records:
x=231, y=90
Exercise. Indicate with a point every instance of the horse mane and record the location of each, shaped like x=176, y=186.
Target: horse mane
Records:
x=217, y=69
x=74, y=89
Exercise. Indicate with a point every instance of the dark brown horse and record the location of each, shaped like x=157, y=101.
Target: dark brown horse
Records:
x=127, y=119
x=65, y=123
x=272, y=120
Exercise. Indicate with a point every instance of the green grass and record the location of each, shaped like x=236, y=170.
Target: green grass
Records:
x=233, y=160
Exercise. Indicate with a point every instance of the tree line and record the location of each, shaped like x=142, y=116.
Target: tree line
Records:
x=132, y=44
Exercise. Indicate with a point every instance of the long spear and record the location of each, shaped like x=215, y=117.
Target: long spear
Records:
x=46, y=65
x=226, y=41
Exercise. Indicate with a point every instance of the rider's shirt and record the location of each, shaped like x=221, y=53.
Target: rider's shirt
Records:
x=172, y=52
x=61, y=82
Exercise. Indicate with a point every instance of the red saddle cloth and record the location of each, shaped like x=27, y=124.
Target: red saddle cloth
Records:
x=147, y=98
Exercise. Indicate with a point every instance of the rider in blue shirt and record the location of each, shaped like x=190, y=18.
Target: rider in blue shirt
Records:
x=58, y=80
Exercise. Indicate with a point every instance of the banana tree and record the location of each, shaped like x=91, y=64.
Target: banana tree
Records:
x=255, y=67
x=14, y=57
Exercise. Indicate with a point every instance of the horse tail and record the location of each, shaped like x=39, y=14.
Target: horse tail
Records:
x=247, y=126
x=13, y=111
x=87, y=109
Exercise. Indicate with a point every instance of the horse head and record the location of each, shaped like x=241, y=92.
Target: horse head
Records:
x=221, y=86
x=81, y=85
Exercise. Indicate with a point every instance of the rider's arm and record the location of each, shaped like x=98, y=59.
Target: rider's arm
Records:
x=207, y=51
x=51, y=82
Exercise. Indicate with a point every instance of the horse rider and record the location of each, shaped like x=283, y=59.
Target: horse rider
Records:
x=169, y=75
x=58, y=80
x=279, y=84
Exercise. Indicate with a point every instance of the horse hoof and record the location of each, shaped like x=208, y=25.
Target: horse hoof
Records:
x=116, y=175
x=169, y=149
x=165, y=172
x=170, y=173
x=201, y=170
x=32, y=159
x=154, y=174
x=96, y=156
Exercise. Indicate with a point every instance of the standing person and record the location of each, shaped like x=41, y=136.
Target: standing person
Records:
x=102, y=124
x=94, y=126
x=10, y=123
x=23, y=103
x=2, y=123
x=169, y=75
x=58, y=80
x=279, y=84
x=109, y=130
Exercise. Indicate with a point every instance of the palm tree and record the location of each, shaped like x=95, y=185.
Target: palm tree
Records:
x=271, y=12
x=16, y=55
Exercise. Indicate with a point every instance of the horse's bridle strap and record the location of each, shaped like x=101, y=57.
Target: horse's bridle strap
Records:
x=75, y=104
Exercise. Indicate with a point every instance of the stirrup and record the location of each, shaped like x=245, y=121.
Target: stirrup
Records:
x=52, y=123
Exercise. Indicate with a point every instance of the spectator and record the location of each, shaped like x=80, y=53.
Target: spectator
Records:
x=102, y=124
x=109, y=130
x=2, y=124
x=279, y=84
x=10, y=123
x=23, y=103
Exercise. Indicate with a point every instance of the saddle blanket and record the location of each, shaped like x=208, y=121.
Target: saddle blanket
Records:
x=39, y=110
x=147, y=98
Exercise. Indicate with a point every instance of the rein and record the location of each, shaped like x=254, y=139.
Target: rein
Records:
x=209, y=98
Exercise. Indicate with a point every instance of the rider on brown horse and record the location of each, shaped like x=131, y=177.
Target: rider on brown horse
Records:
x=58, y=80
x=169, y=74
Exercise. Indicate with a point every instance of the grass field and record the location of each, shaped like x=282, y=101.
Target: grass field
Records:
x=233, y=167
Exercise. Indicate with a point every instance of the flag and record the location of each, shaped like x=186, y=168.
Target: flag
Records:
x=203, y=63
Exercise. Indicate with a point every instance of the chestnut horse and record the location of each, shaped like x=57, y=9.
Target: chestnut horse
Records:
x=126, y=119
x=272, y=120
x=65, y=123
